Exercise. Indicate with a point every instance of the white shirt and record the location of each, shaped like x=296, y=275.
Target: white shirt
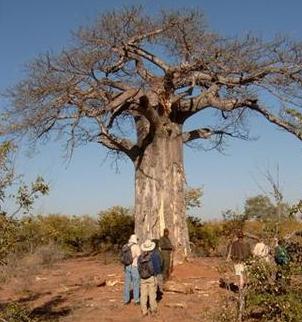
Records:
x=136, y=251
x=261, y=250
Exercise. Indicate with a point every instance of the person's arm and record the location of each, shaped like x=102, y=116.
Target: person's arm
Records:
x=229, y=251
x=137, y=251
x=160, y=243
x=156, y=263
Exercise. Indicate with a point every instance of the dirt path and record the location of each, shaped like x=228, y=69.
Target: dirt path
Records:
x=87, y=290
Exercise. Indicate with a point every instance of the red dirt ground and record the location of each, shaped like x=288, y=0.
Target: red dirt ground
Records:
x=88, y=290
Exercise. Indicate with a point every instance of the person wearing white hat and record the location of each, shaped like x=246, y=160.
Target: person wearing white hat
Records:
x=132, y=279
x=149, y=266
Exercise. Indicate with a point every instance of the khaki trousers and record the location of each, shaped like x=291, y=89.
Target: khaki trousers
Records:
x=148, y=289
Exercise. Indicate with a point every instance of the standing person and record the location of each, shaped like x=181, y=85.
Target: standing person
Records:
x=149, y=268
x=130, y=253
x=282, y=260
x=262, y=251
x=166, y=248
x=239, y=253
x=281, y=254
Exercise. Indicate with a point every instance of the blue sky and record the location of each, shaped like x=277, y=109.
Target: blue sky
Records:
x=86, y=184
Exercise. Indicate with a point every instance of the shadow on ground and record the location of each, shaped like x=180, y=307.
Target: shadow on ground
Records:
x=50, y=311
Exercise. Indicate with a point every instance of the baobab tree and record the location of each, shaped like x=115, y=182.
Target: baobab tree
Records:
x=130, y=82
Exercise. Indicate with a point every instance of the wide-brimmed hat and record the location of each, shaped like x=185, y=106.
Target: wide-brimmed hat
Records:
x=133, y=239
x=148, y=245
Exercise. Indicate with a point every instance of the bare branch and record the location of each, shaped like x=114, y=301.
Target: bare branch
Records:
x=149, y=56
x=112, y=142
x=277, y=120
x=143, y=72
x=204, y=133
x=121, y=99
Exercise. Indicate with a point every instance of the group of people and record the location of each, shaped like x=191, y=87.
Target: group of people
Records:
x=147, y=267
x=240, y=252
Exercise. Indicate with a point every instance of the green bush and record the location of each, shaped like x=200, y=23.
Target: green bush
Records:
x=15, y=313
x=8, y=237
x=232, y=222
x=273, y=299
x=205, y=237
x=115, y=226
x=72, y=233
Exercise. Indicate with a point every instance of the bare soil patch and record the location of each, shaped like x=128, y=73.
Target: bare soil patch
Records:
x=88, y=290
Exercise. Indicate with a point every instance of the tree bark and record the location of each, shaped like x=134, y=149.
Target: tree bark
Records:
x=159, y=191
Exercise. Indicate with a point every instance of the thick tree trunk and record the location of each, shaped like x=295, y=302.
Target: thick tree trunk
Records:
x=159, y=192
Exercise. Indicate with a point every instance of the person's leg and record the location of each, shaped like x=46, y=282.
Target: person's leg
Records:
x=152, y=294
x=159, y=278
x=136, y=282
x=127, y=284
x=239, y=271
x=144, y=297
x=166, y=264
x=241, y=281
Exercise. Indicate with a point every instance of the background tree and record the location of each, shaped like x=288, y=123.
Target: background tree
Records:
x=23, y=199
x=131, y=81
x=7, y=174
x=296, y=209
x=193, y=197
x=261, y=207
x=258, y=207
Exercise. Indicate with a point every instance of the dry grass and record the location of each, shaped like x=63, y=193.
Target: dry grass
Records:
x=24, y=267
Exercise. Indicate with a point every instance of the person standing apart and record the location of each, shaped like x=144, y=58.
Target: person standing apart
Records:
x=240, y=253
x=282, y=259
x=166, y=248
x=130, y=253
x=149, y=267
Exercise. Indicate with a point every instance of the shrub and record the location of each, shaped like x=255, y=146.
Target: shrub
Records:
x=232, y=222
x=204, y=236
x=272, y=299
x=8, y=237
x=16, y=313
x=115, y=226
x=71, y=233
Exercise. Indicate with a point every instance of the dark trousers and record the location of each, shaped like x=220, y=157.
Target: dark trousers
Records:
x=166, y=254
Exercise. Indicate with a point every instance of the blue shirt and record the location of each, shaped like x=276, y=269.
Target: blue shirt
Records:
x=156, y=262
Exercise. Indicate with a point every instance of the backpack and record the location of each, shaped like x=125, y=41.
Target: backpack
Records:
x=145, y=266
x=126, y=255
x=240, y=251
x=281, y=256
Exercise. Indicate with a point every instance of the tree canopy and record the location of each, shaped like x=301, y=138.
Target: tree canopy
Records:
x=261, y=207
x=130, y=68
